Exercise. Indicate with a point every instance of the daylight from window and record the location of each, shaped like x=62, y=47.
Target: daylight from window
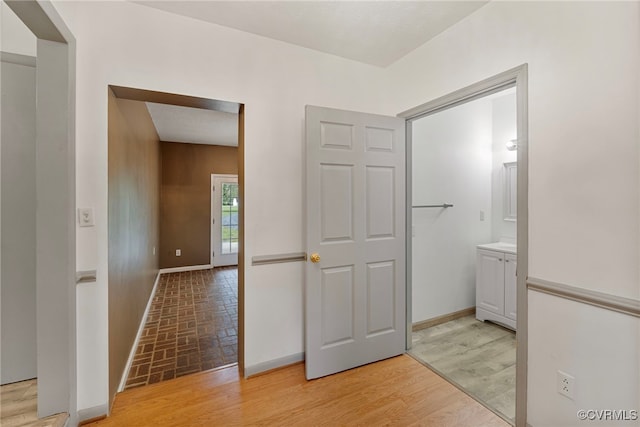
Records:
x=229, y=218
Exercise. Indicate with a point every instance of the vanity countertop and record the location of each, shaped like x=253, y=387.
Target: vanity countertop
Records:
x=508, y=248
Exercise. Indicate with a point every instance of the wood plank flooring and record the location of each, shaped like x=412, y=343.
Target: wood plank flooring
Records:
x=18, y=407
x=478, y=356
x=398, y=391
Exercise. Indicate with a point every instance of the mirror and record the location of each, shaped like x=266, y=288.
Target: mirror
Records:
x=510, y=191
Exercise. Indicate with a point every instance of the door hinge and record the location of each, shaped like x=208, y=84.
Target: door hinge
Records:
x=213, y=254
x=213, y=188
x=213, y=221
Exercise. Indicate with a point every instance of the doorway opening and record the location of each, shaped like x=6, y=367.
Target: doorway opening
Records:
x=163, y=149
x=38, y=245
x=467, y=222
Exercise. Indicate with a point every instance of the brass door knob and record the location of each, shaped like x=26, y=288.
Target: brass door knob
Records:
x=315, y=258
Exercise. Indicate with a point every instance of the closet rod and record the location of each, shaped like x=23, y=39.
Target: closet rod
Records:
x=444, y=205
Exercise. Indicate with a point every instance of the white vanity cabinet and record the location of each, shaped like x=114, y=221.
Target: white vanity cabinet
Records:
x=496, y=283
x=510, y=286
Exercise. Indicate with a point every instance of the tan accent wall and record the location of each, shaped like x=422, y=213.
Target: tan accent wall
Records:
x=134, y=177
x=185, y=201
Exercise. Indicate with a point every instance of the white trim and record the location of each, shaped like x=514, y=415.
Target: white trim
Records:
x=278, y=258
x=628, y=306
x=269, y=365
x=409, y=233
x=478, y=90
x=132, y=353
x=185, y=268
x=56, y=233
x=93, y=412
x=15, y=58
x=86, y=276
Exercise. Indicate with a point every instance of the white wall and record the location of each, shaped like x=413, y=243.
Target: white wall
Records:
x=15, y=37
x=584, y=181
x=451, y=161
x=504, y=129
x=127, y=44
x=584, y=73
x=18, y=240
x=17, y=284
x=597, y=347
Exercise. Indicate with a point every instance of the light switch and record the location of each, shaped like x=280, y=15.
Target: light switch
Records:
x=85, y=217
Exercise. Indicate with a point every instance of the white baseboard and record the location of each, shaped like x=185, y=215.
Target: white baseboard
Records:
x=132, y=353
x=93, y=412
x=187, y=268
x=259, y=368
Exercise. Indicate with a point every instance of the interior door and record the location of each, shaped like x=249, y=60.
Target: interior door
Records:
x=355, y=276
x=224, y=220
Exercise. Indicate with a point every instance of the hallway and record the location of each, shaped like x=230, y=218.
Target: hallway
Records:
x=192, y=326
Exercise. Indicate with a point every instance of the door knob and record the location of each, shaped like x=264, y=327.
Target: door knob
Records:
x=315, y=258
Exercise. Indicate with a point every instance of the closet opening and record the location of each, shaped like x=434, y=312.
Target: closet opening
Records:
x=467, y=251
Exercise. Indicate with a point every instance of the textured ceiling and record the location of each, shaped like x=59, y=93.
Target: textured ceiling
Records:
x=374, y=32
x=194, y=125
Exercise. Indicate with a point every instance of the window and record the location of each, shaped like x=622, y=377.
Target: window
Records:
x=229, y=218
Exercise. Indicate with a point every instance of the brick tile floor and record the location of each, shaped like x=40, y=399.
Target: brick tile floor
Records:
x=192, y=326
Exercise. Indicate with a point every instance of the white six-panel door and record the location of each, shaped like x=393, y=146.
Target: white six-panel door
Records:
x=355, y=189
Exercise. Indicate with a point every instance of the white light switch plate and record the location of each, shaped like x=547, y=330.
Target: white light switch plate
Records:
x=85, y=217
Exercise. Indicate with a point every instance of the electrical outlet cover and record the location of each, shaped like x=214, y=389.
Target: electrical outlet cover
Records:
x=566, y=384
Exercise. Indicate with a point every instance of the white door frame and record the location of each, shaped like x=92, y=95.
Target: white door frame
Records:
x=517, y=77
x=55, y=217
x=214, y=209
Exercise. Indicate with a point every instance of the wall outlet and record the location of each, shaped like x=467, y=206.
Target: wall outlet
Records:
x=566, y=384
x=178, y=252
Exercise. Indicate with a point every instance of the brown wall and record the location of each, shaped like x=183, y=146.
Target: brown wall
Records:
x=134, y=176
x=185, y=201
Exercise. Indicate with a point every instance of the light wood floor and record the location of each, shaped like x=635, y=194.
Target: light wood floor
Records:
x=398, y=391
x=18, y=407
x=478, y=356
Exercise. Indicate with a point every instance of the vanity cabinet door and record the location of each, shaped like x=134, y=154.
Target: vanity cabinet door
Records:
x=510, y=286
x=490, y=281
